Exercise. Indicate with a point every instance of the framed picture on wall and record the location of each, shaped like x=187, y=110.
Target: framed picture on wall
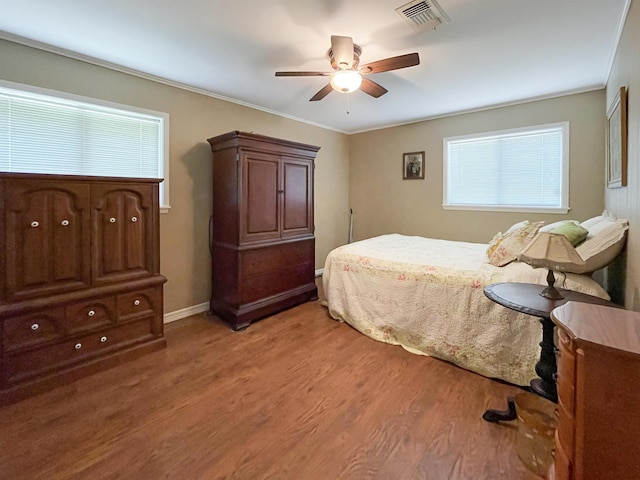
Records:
x=617, y=141
x=412, y=165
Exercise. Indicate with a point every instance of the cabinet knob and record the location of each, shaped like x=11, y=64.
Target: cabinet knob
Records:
x=134, y=219
x=91, y=313
x=35, y=224
x=136, y=302
x=64, y=223
x=78, y=346
x=35, y=326
x=103, y=339
x=112, y=220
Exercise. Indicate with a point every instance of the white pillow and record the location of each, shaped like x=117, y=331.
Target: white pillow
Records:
x=604, y=243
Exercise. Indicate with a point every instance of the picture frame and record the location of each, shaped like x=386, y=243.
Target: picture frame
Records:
x=413, y=165
x=616, y=141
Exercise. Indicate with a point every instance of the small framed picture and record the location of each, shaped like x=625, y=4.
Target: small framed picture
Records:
x=412, y=165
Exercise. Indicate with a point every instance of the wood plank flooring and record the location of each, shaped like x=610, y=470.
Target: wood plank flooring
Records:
x=295, y=396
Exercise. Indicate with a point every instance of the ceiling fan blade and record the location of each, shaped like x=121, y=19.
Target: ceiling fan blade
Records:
x=372, y=88
x=302, y=74
x=392, y=63
x=326, y=90
x=342, y=48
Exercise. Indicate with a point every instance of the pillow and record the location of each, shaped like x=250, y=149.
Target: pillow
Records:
x=516, y=226
x=574, y=232
x=604, y=243
x=498, y=237
x=513, y=243
x=493, y=244
x=551, y=226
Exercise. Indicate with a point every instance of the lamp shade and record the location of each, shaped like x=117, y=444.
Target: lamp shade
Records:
x=552, y=251
x=345, y=81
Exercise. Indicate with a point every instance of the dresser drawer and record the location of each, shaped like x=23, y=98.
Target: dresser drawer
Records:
x=562, y=462
x=35, y=329
x=19, y=366
x=263, y=260
x=137, y=304
x=565, y=430
x=262, y=286
x=91, y=314
x=565, y=359
x=566, y=396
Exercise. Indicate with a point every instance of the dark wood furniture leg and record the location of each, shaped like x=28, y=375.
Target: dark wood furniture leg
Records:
x=495, y=416
x=546, y=367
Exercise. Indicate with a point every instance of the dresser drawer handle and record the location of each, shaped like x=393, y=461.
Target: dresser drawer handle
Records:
x=134, y=219
x=78, y=346
x=35, y=224
x=136, y=302
x=103, y=339
x=91, y=313
x=112, y=220
x=64, y=223
x=35, y=326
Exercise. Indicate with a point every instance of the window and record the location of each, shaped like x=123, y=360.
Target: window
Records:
x=42, y=131
x=519, y=170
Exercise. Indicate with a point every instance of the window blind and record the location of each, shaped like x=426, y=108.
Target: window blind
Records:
x=46, y=134
x=512, y=169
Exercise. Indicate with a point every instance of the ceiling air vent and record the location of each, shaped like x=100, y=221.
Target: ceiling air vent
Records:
x=423, y=15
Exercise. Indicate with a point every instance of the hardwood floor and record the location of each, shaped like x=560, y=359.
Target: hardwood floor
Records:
x=295, y=396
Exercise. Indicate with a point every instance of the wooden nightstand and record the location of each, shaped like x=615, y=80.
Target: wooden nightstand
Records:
x=599, y=393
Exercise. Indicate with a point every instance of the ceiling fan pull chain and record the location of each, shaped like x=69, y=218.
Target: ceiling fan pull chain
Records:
x=348, y=104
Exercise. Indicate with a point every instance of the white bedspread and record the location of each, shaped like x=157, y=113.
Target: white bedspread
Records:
x=427, y=295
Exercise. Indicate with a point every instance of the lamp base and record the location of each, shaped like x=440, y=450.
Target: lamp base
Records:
x=551, y=292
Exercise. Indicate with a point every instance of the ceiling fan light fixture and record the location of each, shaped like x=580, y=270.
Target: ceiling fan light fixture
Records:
x=345, y=81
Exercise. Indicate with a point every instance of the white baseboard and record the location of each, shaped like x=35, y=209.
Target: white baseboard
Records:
x=203, y=307
x=185, y=312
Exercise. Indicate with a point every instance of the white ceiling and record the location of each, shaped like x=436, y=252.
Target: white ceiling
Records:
x=494, y=52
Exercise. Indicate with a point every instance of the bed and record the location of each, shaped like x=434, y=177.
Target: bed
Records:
x=427, y=295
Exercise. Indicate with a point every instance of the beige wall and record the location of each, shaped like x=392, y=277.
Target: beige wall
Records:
x=625, y=202
x=185, y=257
x=382, y=202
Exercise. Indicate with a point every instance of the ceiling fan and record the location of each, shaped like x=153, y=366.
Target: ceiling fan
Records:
x=347, y=75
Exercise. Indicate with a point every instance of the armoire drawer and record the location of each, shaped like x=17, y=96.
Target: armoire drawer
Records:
x=34, y=329
x=262, y=286
x=137, y=304
x=20, y=366
x=269, y=259
x=99, y=312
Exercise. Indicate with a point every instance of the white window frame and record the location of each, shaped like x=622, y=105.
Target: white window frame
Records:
x=564, y=169
x=69, y=98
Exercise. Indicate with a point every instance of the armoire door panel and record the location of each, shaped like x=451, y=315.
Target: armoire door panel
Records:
x=260, y=198
x=47, y=225
x=297, y=215
x=122, y=224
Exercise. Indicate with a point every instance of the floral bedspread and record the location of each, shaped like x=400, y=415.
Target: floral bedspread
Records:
x=427, y=295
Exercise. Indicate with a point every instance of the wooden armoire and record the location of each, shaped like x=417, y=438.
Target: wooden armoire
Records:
x=80, y=283
x=261, y=231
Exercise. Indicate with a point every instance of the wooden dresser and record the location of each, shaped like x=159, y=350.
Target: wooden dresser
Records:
x=80, y=288
x=261, y=233
x=598, y=356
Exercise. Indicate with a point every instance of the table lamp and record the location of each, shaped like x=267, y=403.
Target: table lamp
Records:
x=552, y=251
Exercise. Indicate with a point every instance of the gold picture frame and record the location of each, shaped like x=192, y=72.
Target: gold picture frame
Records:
x=413, y=165
x=617, y=141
